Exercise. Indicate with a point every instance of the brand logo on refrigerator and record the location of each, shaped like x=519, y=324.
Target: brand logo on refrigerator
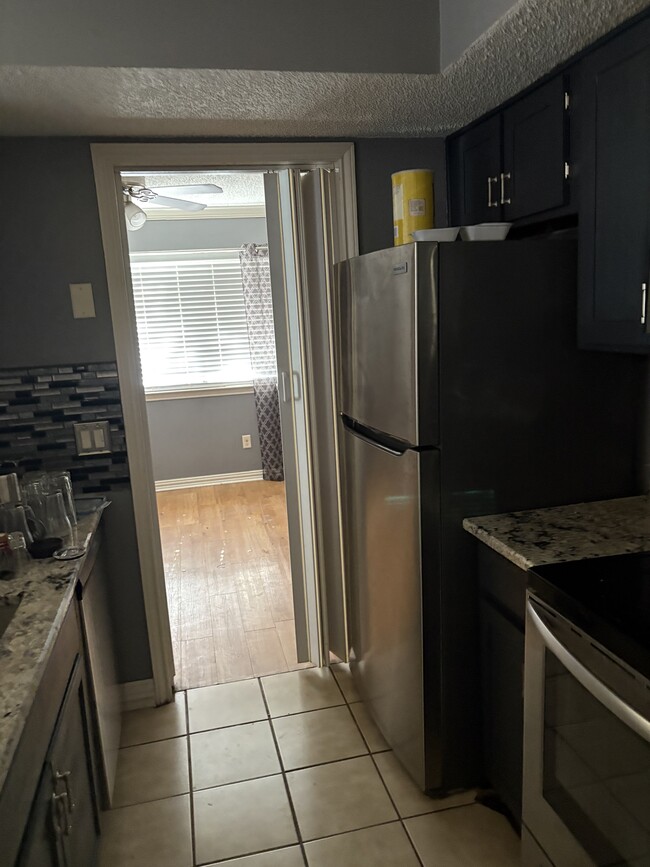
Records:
x=401, y=269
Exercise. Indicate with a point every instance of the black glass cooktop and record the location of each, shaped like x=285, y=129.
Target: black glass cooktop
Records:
x=607, y=597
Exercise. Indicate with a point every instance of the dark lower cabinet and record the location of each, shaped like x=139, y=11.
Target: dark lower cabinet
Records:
x=502, y=605
x=614, y=230
x=63, y=825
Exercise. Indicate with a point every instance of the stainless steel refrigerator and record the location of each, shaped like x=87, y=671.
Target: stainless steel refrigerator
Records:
x=461, y=392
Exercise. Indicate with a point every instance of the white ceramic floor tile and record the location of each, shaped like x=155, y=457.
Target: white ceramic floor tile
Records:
x=381, y=846
x=233, y=754
x=299, y=691
x=148, y=772
x=241, y=819
x=227, y=704
x=342, y=796
x=157, y=834
x=154, y=723
x=291, y=857
x=464, y=837
x=369, y=730
x=343, y=675
x=317, y=737
x=408, y=798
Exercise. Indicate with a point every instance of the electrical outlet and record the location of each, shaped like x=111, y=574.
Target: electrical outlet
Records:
x=246, y=441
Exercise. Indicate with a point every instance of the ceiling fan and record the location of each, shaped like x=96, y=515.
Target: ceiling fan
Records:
x=164, y=196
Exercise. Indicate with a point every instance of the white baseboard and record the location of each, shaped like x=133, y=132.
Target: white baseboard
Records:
x=137, y=694
x=205, y=481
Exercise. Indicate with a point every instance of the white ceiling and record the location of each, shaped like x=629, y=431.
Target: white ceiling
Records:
x=239, y=188
x=527, y=42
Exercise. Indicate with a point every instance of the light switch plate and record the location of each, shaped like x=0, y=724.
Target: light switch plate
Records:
x=93, y=437
x=83, y=303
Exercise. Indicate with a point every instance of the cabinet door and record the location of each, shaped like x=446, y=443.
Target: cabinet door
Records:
x=614, y=118
x=72, y=776
x=533, y=177
x=502, y=661
x=42, y=845
x=474, y=171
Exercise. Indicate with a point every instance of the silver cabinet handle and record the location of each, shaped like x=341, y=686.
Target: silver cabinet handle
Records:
x=491, y=181
x=65, y=776
x=630, y=717
x=644, y=302
x=60, y=815
x=505, y=176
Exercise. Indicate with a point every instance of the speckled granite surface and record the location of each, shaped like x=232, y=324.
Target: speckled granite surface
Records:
x=45, y=590
x=576, y=532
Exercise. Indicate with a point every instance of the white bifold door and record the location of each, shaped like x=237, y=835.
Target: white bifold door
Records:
x=302, y=248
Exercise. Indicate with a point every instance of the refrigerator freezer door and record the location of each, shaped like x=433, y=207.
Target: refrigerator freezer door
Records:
x=383, y=556
x=388, y=341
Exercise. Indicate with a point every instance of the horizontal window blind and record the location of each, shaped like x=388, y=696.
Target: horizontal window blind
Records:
x=191, y=319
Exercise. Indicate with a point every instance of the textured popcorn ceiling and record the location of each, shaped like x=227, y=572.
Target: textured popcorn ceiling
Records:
x=239, y=188
x=529, y=41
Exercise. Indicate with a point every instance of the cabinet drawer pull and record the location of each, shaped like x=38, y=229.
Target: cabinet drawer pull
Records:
x=644, y=302
x=60, y=814
x=491, y=204
x=504, y=176
x=65, y=776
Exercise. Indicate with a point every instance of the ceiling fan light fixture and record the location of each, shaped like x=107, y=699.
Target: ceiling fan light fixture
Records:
x=135, y=216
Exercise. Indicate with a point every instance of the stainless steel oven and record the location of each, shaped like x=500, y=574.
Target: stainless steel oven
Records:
x=586, y=798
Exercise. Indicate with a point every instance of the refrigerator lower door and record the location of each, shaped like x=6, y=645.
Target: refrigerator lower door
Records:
x=384, y=566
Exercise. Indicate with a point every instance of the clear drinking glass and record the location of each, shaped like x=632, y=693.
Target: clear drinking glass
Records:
x=57, y=522
x=13, y=519
x=61, y=482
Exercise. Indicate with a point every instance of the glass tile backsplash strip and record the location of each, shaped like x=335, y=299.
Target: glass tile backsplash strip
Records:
x=38, y=407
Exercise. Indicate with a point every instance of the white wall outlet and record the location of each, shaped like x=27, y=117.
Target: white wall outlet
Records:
x=246, y=441
x=83, y=303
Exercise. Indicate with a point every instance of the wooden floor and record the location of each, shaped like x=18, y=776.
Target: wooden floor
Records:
x=228, y=581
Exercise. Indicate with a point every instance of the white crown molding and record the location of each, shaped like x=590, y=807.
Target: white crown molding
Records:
x=216, y=212
x=207, y=481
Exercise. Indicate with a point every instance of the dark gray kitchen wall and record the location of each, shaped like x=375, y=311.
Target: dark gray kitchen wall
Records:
x=376, y=160
x=201, y=436
x=50, y=237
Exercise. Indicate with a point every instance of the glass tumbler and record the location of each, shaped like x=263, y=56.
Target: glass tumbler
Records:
x=57, y=522
x=60, y=481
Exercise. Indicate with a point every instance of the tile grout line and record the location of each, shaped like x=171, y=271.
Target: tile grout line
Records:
x=383, y=782
x=191, y=777
x=284, y=775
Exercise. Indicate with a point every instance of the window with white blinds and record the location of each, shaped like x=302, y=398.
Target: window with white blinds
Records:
x=191, y=320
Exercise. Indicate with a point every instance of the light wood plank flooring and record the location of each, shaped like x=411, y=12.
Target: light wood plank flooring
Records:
x=228, y=578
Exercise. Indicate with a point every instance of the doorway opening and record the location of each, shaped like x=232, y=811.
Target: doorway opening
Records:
x=310, y=203
x=199, y=261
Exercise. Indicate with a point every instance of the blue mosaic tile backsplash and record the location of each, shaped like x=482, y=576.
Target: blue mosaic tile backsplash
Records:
x=39, y=405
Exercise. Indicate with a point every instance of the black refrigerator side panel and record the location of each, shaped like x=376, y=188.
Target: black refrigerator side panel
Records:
x=527, y=420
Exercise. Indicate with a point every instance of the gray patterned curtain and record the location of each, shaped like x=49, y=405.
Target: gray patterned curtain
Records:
x=256, y=276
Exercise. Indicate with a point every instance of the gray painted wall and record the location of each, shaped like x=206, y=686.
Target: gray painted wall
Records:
x=463, y=21
x=341, y=35
x=202, y=234
x=201, y=436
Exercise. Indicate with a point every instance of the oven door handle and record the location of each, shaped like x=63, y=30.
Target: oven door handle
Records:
x=627, y=715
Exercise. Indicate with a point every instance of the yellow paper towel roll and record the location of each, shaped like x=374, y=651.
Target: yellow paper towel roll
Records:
x=413, y=205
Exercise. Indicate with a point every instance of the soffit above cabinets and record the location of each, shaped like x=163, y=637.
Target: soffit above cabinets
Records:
x=532, y=38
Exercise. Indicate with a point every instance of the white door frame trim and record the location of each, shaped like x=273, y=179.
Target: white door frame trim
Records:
x=108, y=161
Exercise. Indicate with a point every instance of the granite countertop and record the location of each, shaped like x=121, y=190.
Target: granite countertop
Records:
x=578, y=532
x=45, y=589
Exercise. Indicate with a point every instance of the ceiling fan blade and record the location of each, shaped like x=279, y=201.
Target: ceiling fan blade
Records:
x=192, y=190
x=179, y=204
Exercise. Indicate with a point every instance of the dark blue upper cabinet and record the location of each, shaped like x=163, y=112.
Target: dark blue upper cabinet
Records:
x=474, y=174
x=613, y=116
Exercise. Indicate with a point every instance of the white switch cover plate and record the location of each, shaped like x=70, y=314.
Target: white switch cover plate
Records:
x=92, y=437
x=83, y=303
x=246, y=441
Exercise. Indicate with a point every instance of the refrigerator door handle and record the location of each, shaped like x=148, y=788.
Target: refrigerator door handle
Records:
x=359, y=431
